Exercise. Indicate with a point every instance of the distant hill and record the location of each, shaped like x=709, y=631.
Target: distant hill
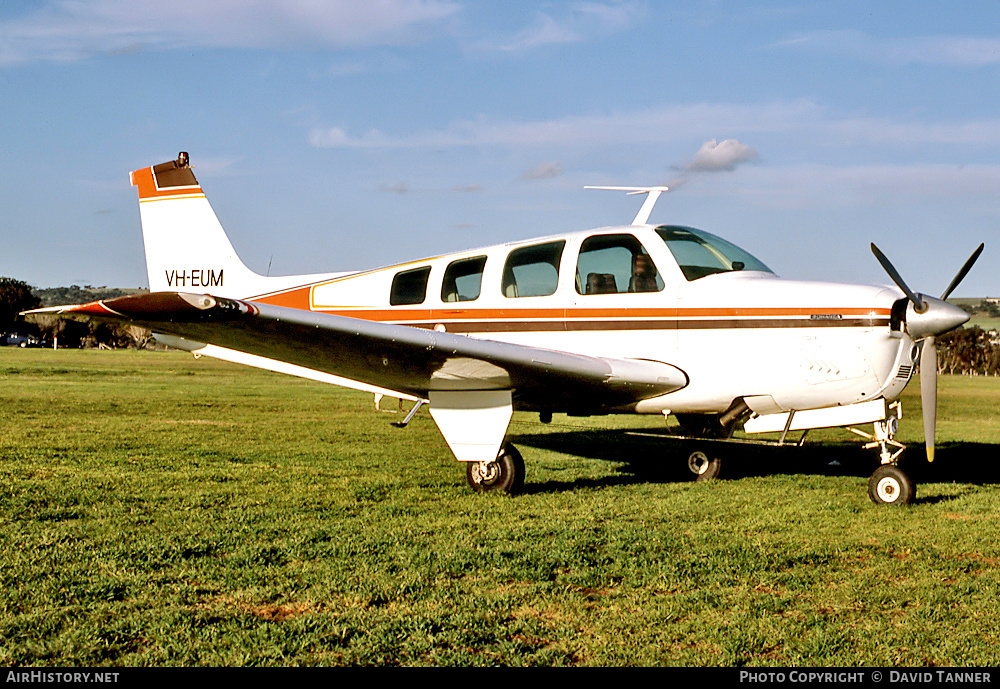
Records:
x=985, y=312
x=74, y=294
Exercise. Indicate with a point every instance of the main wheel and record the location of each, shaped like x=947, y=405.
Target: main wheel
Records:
x=890, y=485
x=703, y=467
x=505, y=474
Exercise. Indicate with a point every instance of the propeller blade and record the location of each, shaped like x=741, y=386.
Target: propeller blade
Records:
x=918, y=303
x=963, y=272
x=928, y=322
x=928, y=392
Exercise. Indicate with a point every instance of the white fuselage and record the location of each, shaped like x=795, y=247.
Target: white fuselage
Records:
x=779, y=344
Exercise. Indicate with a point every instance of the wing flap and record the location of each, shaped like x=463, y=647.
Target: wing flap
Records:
x=414, y=361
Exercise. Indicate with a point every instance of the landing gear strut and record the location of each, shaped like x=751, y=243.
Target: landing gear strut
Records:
x=505, y=474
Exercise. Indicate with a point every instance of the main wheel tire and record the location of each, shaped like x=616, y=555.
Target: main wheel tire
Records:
x=890, y=485
x=505, y=474
x=703, y=467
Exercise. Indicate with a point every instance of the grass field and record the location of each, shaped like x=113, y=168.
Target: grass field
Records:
x=985, y=323
x=157, y=510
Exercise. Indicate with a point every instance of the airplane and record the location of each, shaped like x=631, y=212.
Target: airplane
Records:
x=634, y=319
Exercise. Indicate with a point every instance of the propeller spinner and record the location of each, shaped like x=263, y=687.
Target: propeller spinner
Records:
x=926, y=318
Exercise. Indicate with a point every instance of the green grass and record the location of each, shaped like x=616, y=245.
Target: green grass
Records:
x=984, y=323
x=156, y=510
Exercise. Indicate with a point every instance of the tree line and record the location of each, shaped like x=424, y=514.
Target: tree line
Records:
x=969, y=351
x=16, y=296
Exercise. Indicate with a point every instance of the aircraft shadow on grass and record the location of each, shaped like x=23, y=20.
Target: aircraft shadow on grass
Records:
x=645, y=459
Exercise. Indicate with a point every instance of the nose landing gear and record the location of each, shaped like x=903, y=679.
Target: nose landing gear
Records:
x=888, y=485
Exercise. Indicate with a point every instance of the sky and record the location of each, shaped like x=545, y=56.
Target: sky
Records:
x=355, y=134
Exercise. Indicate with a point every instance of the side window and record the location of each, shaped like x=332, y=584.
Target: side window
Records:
x=409, y=286
x=613, y=264
x=463, y=279
x=533, y=271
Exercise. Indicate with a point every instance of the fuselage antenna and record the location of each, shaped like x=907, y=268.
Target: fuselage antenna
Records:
x=642, y=217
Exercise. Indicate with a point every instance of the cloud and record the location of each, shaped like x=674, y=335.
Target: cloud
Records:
x=73, y=30
x=544, y=31
x=955, y=51
x=398, y=188
x=330, y=137
x=716, y=157
x=548, y=170
x=580, y=22
x=815, y=186
x=793, y=131
x=660, y=124
x=338, y=137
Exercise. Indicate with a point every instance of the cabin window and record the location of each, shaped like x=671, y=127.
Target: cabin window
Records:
x=409, y=287
x=533, y=271
x=463, y=279
x=699, y=253
x=615, y=264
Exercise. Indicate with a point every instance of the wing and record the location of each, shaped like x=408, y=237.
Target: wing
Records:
x=414, y=362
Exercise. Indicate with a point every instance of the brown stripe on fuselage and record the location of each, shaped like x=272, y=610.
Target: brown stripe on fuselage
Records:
x=618, y=325
x=450, y=313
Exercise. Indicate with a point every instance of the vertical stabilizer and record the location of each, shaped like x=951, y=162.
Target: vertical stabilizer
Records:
x=187, y=249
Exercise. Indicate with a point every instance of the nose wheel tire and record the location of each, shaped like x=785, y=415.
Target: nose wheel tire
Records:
x=890, y=485
x=703, y=467
x=505, y=474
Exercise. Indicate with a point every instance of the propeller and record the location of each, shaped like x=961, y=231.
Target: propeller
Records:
x=930, y=317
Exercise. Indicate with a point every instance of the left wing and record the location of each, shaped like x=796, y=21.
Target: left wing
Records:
x=415, y=362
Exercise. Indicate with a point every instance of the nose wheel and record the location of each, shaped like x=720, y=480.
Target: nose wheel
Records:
x=890, y=485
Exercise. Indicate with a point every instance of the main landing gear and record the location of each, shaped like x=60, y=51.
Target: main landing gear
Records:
x=703, y=467
x=505, y=474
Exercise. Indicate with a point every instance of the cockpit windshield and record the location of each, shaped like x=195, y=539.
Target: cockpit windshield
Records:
x=699, y=253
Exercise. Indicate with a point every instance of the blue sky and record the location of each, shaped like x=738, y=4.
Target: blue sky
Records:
x=348, y=135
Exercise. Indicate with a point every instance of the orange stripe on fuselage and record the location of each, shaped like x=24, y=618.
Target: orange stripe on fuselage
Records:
x=295, y=298
x=299, y=298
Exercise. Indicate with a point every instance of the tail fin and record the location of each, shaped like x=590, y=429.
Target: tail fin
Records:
x=187, y=249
